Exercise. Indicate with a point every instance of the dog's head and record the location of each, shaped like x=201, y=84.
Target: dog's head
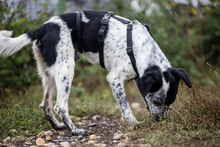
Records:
x=159, y=89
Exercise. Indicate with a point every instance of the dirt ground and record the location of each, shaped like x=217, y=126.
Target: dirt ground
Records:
x=104, y=132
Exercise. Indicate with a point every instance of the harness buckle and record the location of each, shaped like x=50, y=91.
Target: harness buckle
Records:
x=130, y=51
x=129, y=27
x=104, y=20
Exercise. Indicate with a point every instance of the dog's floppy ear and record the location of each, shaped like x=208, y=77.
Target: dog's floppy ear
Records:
x=181, y=74
x=151, y=81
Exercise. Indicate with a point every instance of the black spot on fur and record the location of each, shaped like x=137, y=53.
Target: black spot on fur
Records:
x=67, y=89
x=48, y=42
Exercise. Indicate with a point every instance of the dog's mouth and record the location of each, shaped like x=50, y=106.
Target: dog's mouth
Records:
x=162, y=115
x=158, y=113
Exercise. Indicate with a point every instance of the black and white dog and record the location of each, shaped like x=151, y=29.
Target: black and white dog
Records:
x=55, y=53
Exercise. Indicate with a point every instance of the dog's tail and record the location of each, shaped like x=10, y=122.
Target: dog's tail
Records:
x=9, y=45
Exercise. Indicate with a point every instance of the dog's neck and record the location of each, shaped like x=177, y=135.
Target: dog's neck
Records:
x=146, y=50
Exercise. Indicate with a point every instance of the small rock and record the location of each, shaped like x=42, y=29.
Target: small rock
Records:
x=6, y=140
x=72, y=143
x=98, y=137
x=122, y=121
x=49, y=133
x=48, y=138
x=33, y=146
x=96, y=117
x=147, y=145
x=121, y=145
x=53, y=130
x=85, y=118
x=92, y=137
x=118, y=136
x=127, y=140
x=128, y=134
x=28, y=143
x=103, y=123
x=61, y=133
x=58, y=140
x=40, y=142
x=65, y=144
x=100, y=145
x=84, y=140
x=50, y=144
x=80, y=123
x=92, y=124
x=20, y=138
x=13, y=139
x=80, y=137
x=115, y=141
x=32, y=137
x=77, y=118
x=91, y=142
x=136, y=106
x=41, y=134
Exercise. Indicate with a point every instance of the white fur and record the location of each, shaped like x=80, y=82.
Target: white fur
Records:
x=84, y=18
x=9, y=46
x=6, y=33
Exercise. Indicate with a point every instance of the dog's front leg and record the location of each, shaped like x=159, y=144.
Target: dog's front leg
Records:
x=117, y=86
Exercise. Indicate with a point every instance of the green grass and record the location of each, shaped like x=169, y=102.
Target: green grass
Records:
x=194, y=118
x=20, y=110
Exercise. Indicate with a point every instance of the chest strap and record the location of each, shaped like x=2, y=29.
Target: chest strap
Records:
x=130, y=48
x=101, y=37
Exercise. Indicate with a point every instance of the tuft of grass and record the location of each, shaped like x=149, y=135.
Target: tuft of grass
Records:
x=194, y=119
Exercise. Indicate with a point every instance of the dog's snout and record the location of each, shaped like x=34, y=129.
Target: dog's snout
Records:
x=156, y=117
x=158, y=101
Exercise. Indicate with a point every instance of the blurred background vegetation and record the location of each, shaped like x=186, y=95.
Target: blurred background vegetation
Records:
x=187, y=32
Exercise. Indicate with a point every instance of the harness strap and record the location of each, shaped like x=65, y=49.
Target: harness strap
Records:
x=78, y=29
x=101, y=37
x=122, y=20
x=130, y=47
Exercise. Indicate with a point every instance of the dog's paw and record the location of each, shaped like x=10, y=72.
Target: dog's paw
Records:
x=131, y=120
x=60, y=126
x=80, y=132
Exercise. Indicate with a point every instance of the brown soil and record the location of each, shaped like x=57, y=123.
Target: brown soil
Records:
x=103, y=128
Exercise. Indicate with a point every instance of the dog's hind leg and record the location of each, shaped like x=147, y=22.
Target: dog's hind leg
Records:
x=47, y=103
x=49, y=90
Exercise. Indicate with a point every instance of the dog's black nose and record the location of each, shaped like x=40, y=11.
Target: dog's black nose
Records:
x=156, y=117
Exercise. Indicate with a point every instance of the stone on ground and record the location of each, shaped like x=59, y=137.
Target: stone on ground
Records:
x=40, y=142
x=65, y=144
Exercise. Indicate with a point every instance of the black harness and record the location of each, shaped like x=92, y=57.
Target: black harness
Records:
x=102, y=34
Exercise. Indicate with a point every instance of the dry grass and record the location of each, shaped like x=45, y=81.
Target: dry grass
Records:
x=194, y=119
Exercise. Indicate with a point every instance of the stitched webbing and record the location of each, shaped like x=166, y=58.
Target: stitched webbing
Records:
x=130, y=48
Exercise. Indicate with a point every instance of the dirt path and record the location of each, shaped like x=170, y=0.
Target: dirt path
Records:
x=104, y=132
